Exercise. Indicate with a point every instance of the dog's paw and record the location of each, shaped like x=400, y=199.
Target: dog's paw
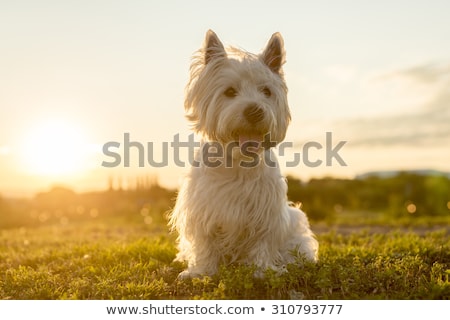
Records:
x=186, y=274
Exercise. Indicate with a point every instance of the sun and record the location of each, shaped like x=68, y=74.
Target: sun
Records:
x=55, y=148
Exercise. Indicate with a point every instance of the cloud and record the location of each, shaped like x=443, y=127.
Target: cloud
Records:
x=430, y=73
x=427, y=125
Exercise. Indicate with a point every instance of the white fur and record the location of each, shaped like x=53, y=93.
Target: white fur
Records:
x=231, y=214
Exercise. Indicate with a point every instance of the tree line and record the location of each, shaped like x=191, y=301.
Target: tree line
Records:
x=405, y=193
x=397, y=195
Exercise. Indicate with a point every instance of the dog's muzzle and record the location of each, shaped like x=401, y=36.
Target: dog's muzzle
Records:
x=253, y=114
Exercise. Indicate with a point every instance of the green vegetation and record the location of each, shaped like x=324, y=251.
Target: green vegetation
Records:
x=116, y=245
x=128, y=260
x=399, y=195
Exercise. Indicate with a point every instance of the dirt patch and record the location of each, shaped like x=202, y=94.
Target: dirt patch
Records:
x=347, y=229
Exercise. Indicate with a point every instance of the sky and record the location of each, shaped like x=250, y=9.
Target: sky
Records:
x=75, y=75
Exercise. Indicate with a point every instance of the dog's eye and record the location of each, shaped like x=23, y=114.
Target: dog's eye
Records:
x=230, y=92
x=266, y=92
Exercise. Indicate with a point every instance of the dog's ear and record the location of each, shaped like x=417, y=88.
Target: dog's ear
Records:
x=273, y=55
x=213, y=47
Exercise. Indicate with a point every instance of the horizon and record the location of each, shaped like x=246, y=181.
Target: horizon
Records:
x=119, y=183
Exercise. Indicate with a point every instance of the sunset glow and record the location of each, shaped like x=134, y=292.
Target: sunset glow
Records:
x=54, y=148
x=76, y=76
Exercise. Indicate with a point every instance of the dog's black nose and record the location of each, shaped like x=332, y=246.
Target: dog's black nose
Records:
x=253, y=113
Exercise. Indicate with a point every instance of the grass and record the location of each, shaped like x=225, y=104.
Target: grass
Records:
x=127, y=259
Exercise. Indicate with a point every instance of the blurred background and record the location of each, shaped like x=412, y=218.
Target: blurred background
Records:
x=75, y=75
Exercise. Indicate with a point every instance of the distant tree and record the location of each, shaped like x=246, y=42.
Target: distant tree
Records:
x=400, y=194
x=437, y=195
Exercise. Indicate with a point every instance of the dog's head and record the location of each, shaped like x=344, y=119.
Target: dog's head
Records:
x=236, y=96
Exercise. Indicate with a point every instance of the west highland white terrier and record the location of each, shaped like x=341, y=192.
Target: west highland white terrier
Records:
x=232, y=206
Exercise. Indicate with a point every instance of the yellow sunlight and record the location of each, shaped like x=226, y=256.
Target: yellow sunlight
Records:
x=55, y=148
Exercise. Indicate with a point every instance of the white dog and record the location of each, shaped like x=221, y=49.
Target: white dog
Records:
x=232, y=207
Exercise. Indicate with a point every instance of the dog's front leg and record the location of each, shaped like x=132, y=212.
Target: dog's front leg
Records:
x=204, y=261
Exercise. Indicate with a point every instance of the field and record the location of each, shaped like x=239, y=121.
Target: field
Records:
x=131, y=257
